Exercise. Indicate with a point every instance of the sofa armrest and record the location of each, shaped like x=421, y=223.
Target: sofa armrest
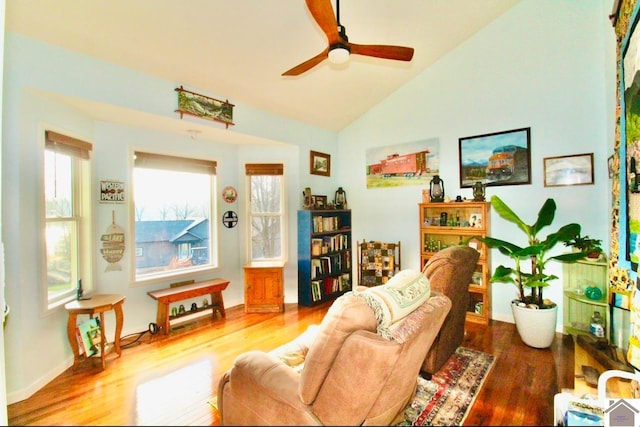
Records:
x=258, y=372
x=259, y=380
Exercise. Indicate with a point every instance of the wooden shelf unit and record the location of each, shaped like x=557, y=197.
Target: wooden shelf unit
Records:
x=454, y=230
x=577, y=276
x=324, y=255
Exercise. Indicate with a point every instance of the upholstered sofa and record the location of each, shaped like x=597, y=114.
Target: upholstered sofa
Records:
x=358, y=367
x=449, y=271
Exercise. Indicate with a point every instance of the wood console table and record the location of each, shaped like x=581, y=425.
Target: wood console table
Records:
x=179, y=293
x=97, y=304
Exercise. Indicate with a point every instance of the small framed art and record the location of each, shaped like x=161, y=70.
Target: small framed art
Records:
x=319, y=163
x=576, y=169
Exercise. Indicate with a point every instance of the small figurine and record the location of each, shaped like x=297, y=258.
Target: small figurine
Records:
x=341, y=199
x=306, y=198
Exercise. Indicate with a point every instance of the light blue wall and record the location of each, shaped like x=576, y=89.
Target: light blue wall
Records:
x=38, y=84
x=546, y=64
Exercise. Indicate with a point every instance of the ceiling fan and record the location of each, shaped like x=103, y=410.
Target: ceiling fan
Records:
x=339, y=47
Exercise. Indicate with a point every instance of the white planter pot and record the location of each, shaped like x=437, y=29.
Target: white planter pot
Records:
x=537, y=328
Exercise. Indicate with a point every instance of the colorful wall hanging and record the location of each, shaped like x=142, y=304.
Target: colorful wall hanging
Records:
x=202, y=106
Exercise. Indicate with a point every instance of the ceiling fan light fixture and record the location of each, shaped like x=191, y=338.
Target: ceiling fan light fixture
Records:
x=339, y=53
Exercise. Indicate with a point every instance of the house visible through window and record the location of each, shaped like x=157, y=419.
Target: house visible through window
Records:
x=266, y=211
x=174, y=215
x=68, y=217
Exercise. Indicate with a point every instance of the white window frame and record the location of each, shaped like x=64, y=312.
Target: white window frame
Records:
x=169, y=162
x=252, y=169
x=81, y=215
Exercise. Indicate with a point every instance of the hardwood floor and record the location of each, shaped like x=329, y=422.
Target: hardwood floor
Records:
x=168, y=380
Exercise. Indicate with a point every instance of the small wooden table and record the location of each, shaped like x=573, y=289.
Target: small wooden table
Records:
x=97, y=304
x=179, y=293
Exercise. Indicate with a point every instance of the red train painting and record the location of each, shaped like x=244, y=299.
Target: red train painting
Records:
x=407, y=165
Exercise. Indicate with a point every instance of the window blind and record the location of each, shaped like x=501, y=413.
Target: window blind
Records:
x=64, y=144
x=264, y=169
x=174, y=163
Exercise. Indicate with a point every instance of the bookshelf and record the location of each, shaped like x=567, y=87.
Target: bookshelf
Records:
x=450, y=223
x=324, y=255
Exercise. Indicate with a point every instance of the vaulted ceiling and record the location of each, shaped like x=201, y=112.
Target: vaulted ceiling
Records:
x=238, y=49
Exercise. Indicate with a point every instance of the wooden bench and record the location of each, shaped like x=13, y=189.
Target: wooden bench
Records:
x=165, y=297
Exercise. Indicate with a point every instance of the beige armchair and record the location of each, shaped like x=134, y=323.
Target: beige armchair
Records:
x=449, y=271
x=357, y=369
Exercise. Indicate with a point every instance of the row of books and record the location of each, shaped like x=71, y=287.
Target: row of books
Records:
x=329, y=286
x=330, y=264
x=325, y=223
x=327, y=244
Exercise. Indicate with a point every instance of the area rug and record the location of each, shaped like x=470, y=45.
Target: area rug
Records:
x=446, y=399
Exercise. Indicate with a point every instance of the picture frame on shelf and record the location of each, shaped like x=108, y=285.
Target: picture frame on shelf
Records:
x=475, y=220
x=576, y=169
x=319, y=202
x=319, y=163
x=482, y=158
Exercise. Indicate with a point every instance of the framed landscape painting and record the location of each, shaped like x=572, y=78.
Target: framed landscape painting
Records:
x=499, y=158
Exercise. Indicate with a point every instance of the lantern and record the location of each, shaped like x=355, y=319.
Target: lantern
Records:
x=436, y=189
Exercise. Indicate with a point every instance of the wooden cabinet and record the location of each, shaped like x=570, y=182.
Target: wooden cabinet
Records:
x=452, y=223
x=578, y=309
x=324, y=255
x=263, y=287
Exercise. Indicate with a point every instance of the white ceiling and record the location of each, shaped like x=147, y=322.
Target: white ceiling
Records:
x=238, y=49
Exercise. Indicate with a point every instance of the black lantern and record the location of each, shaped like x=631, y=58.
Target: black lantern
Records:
x=436, y=189
x=340, y=199
x=478, y=192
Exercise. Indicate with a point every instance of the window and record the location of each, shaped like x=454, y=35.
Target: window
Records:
x=67, y=217
x=174, y=215
x=266, y=211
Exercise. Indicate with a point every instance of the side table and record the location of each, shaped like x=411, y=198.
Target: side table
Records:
x=97, y=304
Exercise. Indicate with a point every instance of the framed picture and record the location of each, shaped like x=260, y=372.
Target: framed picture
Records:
x=499, y=158
x=319, y=202
x=568, y=170
x=319, y=163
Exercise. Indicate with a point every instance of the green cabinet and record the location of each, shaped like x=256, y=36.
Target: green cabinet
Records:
x=578, y=308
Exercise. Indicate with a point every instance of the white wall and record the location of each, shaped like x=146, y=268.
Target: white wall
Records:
x=540, y=65
x=38, y=84
x=545, y=64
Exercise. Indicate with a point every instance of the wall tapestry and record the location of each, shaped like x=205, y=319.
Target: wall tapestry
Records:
x=631, y=104
x=623, y=262
x=198, y=105
x=413, y=163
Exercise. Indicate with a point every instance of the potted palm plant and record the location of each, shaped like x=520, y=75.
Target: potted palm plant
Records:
x=534, y=315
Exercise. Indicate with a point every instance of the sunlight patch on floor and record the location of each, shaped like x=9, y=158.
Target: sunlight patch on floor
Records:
x=169, y=395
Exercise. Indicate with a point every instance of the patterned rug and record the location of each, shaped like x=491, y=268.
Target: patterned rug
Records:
x=446, y=399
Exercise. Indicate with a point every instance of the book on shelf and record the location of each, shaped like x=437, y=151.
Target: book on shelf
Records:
x=315, y=290
x=316, y=247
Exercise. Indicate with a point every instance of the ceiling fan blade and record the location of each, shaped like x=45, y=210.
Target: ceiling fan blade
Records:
x=308, y=64
x=322, y=12
x=399, y=53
